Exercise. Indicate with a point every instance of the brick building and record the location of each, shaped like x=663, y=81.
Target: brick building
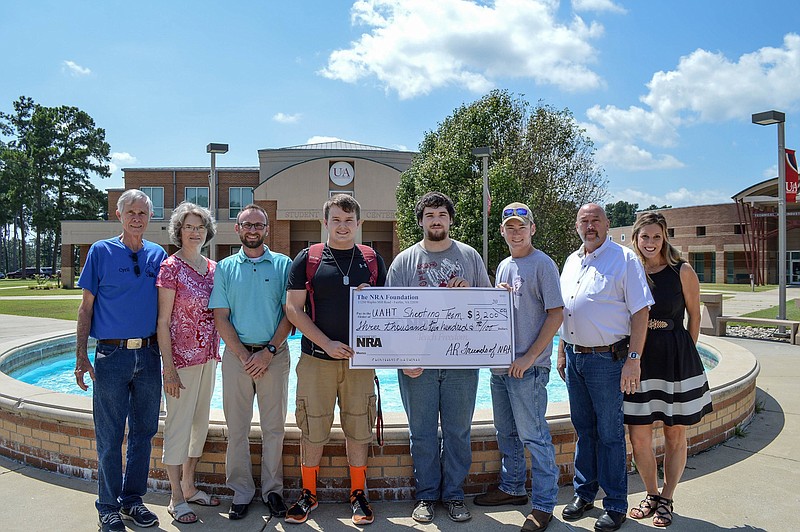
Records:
x=727, y=242
x=290, y=183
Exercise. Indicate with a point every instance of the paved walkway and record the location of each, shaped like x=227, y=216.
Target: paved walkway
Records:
x=745, y=484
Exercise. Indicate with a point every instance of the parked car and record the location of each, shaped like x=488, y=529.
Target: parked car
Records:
x=17, y=274
x=47, y=271
x=2, y=275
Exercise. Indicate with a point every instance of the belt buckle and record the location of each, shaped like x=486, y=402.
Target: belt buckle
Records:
x=133, y=343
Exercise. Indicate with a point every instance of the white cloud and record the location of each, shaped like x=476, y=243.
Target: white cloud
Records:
x=597, y=5
x=705, y=87
x=74, y=68
x=120, y=159
x=676, y=198
x=284, y=118
x=631, y=157
x=415, y=46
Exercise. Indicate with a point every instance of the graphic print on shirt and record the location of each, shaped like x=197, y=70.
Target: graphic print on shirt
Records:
x=437, y=274
x=516, y=286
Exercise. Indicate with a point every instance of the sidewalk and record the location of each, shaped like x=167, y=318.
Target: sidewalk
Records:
x=745, y=484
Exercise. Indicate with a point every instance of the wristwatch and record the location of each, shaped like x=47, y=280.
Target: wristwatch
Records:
x=272, y=349
x=633, y=355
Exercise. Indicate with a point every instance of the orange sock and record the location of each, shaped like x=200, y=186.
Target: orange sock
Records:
x=310, y=475
x=358, y=478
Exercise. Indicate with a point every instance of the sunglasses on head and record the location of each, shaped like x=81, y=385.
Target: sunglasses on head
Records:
x=518, y=211
x=135, y=259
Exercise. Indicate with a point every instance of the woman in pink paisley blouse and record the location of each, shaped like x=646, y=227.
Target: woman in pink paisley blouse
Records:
x=189, y=346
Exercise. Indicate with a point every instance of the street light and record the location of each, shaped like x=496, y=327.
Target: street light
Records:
x=764, y=119
x=484, y=152
x=214, y=148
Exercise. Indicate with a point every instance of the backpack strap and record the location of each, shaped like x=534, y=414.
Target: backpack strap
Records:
x=312, y=265
x=371, y=258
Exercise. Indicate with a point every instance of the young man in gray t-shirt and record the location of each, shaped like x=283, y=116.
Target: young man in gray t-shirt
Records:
x=519, y=396
x=439, y=471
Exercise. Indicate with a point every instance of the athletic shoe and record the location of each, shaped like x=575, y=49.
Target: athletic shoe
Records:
x=139, y=514
x=423, y=512
x=362, y=511
x=110, y=522
x=457, y=511
x=298, y=513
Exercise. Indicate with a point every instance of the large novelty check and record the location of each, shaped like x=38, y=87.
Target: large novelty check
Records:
x=431, y=328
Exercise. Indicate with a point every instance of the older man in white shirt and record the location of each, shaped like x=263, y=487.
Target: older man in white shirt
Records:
x=606, y=306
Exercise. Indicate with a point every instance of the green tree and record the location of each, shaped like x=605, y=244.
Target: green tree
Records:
x=539, y=156
x=61, y=148
x=621, y=213
x=654, y=207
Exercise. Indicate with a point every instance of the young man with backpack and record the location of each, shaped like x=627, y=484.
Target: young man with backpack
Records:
x=318, y=303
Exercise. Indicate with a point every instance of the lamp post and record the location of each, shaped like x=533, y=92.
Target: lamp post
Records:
x=214, y=148
x=484, y=152
x=764, y=119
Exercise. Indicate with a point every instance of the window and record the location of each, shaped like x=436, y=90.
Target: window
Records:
x=670, y=232
x=738, y=229
x=622, y=237
x=156, y=195
x=701, y=230
x=238, y=197
x=197, y=195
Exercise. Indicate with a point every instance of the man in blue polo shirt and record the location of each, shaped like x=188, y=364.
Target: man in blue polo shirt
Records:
x=119, y=309
x=249, y=299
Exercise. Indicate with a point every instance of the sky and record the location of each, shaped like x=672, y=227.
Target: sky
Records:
x=665, y=89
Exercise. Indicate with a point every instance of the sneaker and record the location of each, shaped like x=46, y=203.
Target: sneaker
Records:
x=110, y=522
x=139, y=514
x=423, y=512
x=457, y=511
x=298, y=513
x=362, y=511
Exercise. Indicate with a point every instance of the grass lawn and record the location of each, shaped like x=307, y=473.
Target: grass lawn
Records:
x=792, y=312
x=26, y=291
x=65, y=309
x=720, y=287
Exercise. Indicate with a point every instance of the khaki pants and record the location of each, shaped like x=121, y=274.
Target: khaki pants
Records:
x=271, y=390
x=186, y=424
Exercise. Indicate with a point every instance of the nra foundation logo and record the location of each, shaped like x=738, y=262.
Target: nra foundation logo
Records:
x=368, y=341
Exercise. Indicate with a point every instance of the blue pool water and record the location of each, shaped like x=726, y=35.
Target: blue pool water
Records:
x=57, y=374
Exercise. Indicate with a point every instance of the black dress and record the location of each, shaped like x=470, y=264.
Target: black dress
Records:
x=674, y=387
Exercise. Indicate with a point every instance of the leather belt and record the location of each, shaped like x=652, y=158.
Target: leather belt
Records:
x=660, y=325
x=254, y=348
x=582, y=349
x=130, y=343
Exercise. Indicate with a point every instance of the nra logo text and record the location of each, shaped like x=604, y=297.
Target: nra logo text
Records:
x=368, y=341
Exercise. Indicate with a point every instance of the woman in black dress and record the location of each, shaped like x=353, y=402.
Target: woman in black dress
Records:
x=674, y=388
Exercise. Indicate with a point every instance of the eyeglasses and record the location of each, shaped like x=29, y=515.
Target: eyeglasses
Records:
x=194, y=228
x=518, y=211
x=135, y=259
x=257, y=226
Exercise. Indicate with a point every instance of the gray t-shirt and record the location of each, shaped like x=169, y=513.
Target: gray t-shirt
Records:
x=536, y=288
x=416, y=266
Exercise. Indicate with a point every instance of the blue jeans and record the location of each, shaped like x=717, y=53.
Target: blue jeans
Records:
x=440, y=466
x=595, y=405
x=127, y=387
x=519, y=407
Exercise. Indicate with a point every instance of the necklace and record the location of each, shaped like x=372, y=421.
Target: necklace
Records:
x=345, y=276
x=198, y=265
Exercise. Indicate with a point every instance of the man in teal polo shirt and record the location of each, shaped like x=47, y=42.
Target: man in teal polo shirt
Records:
x=249, y=299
